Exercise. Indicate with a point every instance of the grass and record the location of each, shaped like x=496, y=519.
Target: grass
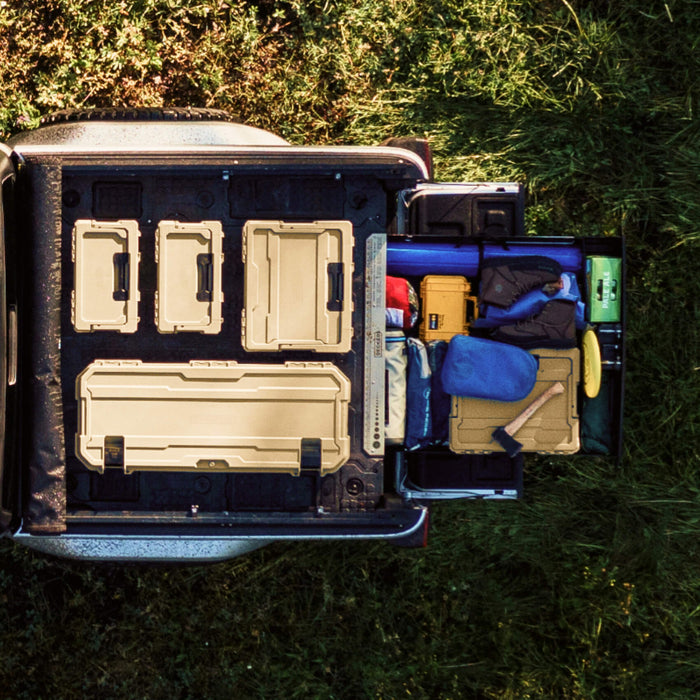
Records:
x=588, y=587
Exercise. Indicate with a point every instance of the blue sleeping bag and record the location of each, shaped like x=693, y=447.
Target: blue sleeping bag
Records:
x=530, y=304
x=419, y=428
x=485, y=369
x=440, y=400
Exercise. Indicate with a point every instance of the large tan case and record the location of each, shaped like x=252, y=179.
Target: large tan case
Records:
x=298, y=286
x=189, y=295
x=553, y=429
x=105, y=294
x=212, y=416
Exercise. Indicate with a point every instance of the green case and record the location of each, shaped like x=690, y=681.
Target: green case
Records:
x=604, y=289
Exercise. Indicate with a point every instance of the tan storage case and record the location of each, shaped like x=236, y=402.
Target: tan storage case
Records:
x=447, y=307
x=105, y=293
x=298, y=286
x=189, y=295
x=212, y=416
x=553, y=429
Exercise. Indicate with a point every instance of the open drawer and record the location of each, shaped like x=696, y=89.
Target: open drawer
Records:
x=105, y=293
x=213, y=416
x=298, y=286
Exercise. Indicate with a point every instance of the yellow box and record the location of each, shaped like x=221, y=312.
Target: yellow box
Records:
x=448, y=308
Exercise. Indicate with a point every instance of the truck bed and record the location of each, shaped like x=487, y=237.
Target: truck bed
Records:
x=66, y=188
x=73, y=483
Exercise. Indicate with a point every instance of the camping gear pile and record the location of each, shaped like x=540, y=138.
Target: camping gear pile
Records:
x=510, y=359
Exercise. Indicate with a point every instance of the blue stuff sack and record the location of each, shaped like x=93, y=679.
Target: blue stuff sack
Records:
x=530, y=304
x=419, y=427
x=486, y=369
x=440, y=400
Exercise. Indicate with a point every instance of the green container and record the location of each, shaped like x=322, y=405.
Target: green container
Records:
x=604, y=289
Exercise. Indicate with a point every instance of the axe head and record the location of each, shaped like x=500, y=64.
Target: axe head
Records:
x=506, y=441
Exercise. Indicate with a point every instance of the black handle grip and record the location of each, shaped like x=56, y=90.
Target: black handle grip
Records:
x=121, y=276
x=336, y=286
x=205, y=277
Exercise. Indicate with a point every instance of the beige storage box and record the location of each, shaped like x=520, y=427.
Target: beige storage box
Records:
x=298, y=286
x=553, y=429
x=105, y=293
x=212, y=416
x=189, y=295
x=447, y=307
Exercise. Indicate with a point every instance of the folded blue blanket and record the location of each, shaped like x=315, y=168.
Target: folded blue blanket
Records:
x=485, y=369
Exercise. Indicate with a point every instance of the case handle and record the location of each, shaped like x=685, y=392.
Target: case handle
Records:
x=121, y=276
x=205, y=277
x=336, y=286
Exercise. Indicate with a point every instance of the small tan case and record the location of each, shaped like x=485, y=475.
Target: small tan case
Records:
x=105, y=294
x=190, y=258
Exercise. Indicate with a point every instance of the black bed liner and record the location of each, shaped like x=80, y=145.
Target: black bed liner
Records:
x=62, y=190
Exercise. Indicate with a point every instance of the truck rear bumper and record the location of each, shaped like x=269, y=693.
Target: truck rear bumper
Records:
x=202, y=548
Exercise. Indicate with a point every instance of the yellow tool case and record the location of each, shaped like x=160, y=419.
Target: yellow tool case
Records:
x=448, y=307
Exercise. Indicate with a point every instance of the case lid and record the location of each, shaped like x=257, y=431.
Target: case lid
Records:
x=298, y=286
x=189, y=295
x=212, y=416
x=105, y=292
x=553, y=429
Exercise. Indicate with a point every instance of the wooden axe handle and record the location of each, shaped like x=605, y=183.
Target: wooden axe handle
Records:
x=517, y=422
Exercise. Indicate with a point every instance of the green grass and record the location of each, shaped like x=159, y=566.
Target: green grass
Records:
x=587, y=588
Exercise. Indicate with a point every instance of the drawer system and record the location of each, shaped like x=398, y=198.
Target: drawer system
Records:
x=284, y=361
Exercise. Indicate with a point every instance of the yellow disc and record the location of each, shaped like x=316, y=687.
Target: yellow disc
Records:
x=591, y=364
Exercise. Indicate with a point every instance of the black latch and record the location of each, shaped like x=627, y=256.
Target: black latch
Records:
x=114, y=451
x=310, y=455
